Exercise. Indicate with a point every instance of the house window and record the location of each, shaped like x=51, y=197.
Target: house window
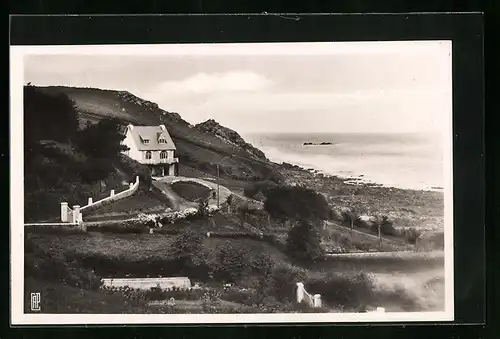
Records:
x=161, y=141
x=148, y=154
x=146, y=141
x=163, y=155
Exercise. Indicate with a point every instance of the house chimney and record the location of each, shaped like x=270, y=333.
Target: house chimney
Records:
x=163, y=127
x=130, y=126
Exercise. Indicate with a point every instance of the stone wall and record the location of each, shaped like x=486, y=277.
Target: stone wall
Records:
x=147, y=283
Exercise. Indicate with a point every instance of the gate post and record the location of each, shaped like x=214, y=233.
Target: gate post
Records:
x=64, y=212
x=76, y=213
x=300, y=292
x=317, y=300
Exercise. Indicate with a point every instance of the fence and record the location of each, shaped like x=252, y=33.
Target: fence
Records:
x=75, y=215
x=304, y=296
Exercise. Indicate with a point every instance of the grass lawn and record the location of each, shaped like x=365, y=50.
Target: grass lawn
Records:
x=133, y=247
x=191, y=191
x=139, y=202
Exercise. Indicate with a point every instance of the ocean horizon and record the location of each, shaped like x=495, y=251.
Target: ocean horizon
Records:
x=401, y=160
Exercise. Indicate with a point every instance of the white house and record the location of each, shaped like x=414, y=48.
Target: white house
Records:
x=152, y=146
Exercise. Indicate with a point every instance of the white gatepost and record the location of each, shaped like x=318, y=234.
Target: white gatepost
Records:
x=300, y=292
x=76, y=213
x=64, y=212
x=137, y=179
x=112, y=193
x=317, y=300
x=90, y=201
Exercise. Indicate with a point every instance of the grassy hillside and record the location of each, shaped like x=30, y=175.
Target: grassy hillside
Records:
x=196, y=148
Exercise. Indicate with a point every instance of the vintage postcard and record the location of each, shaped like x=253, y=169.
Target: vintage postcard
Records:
x=232, y=183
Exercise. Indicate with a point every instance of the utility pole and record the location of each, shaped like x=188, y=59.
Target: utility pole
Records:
x=218, y=190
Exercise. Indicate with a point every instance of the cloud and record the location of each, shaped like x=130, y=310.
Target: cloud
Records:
x=233, y=81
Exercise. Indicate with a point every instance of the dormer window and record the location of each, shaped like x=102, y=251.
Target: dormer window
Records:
x=161, y=141
x=146, y=141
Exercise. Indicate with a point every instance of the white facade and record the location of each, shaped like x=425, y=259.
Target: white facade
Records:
x=133, y=152
x=160, y=156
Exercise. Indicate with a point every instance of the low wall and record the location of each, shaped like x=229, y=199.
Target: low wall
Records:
x=75, y=215
x=112, y=198
x=49, y=224
x=148, y=283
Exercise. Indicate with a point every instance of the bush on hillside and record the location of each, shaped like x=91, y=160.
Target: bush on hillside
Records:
x=412, y=235
x=187, y=245
x=253, y=189
x=304, y=242
x=283, y=282
x=230, y=264
x=95, y=169
x=101, y=140
x=344, y=290
x=48, y=117
x=296, y=203
x=386, y=226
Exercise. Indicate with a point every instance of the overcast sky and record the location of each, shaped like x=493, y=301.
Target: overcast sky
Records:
x=369, y=88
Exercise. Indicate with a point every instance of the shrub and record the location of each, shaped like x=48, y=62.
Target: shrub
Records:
x=412, y=235
x=187, y=245
x=350, y=216
x=230, y=264
x=345, y=290
x=295, y=202
x=304, y=242
x=386, y=226
x=101, y=140
x=95, y=169
x=253, y=189
x=42, y=110
x=283, y=282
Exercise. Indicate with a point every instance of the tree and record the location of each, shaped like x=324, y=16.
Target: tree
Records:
x=296, y=203
x=229, y=202
x=48, y=116
x=101, y=140
x=304, y=241
x=351, y=215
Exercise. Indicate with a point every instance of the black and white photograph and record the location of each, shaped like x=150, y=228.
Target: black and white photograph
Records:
x=232, y=183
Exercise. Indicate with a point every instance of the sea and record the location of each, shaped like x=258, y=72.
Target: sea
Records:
x=408, y=161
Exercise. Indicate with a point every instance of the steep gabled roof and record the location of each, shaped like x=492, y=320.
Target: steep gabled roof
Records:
x=153, y=134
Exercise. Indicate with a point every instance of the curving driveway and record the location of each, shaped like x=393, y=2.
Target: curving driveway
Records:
x=163, y=183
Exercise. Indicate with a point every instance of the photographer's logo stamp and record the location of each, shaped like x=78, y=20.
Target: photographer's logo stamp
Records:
x=35, y=302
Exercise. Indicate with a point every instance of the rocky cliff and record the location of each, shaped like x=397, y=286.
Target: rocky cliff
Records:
x=229, y=136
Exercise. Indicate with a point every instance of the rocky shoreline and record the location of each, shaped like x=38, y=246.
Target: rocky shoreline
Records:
x=406, y=207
